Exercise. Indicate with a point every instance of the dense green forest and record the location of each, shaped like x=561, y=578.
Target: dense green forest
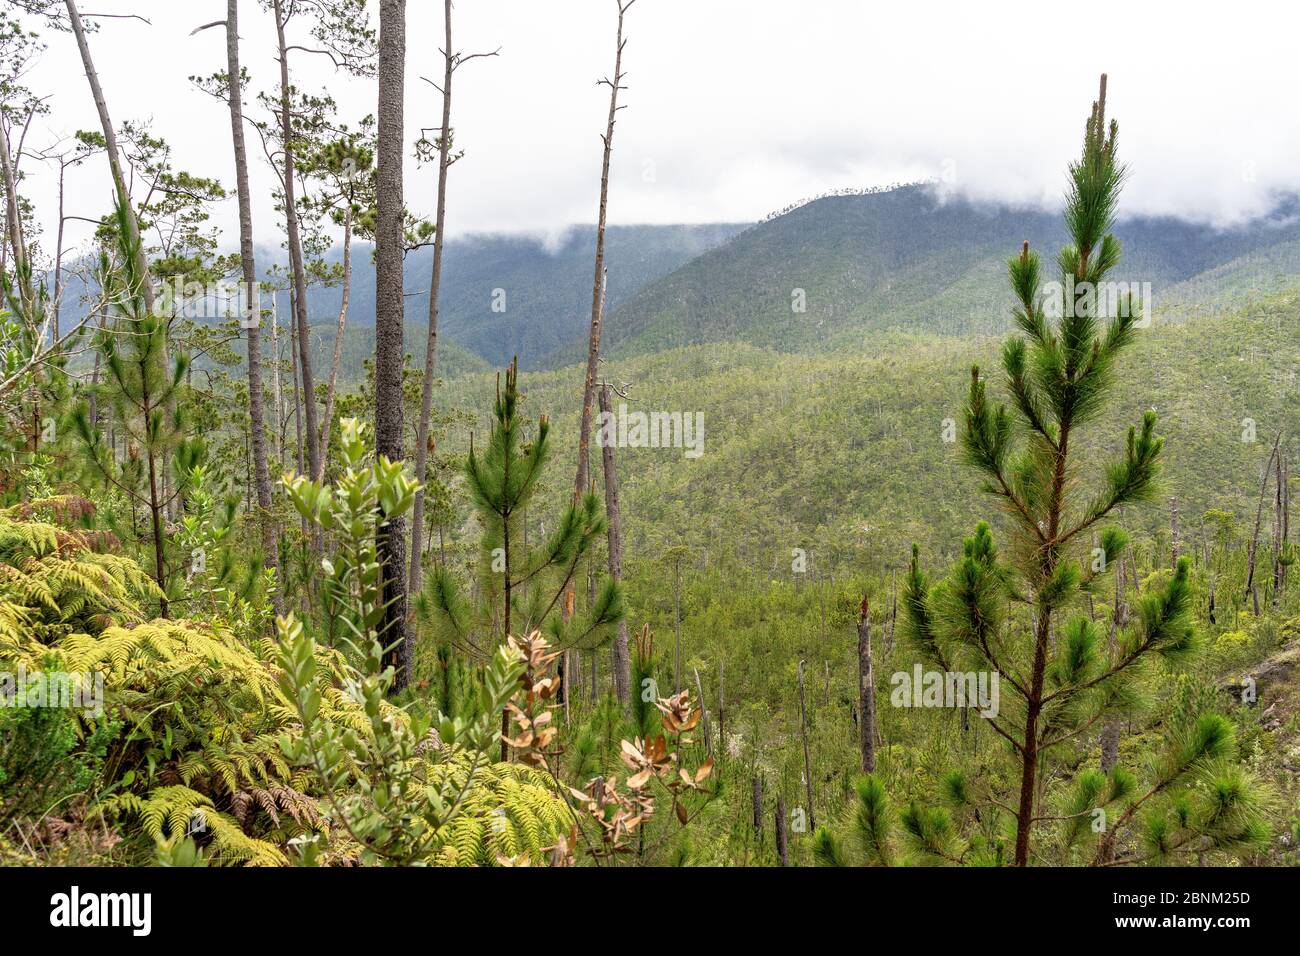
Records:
x=865, y=535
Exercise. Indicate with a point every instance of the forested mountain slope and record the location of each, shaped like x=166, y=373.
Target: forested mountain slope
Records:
x=910, y=259
x=545, y=297
x=842, y=452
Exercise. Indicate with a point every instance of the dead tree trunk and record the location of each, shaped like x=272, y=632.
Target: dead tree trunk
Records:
x=422, y=443
x=757, y=798
x=677, y=626
x=1286, y=515
x=866, y=692
x=1259, y=517
x=294, y=240
x=722, y=709
x=253, y=314
x=1173, y=531
x=622, y=662
x=782, y=839
x=598, y=279
x=1278, y=536
x=1119, y=618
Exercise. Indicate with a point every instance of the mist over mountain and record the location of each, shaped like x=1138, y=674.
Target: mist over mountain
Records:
x=525, y=295
x=908, y=259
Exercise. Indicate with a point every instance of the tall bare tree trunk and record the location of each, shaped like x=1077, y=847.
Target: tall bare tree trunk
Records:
x=866, y=692
x=277, y=392
x=1118, y=619
x=1174, y=543
x=722, y=709
x=389, y=351
x=677, y=626
x=92, y=399
x=1286, y=512
x=58, y=255
x=1259, y=517
x=598, y=274
x=295, y=366
x=435, y=281
x=296, y=268
x=253, y=314
x=782, y=839
x=1278, y=535
x=622, y=662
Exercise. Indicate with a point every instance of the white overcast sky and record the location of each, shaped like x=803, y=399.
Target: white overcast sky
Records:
x=738, y=107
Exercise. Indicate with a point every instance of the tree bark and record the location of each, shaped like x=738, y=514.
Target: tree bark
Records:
x=1174, y=545
x=253, y=316
x=722, y=709
x=782, y=839
x=277, y=392
x=677, y=626
x=866, y=693
x=1119, y=618
x=622, y=662
x=389, y=352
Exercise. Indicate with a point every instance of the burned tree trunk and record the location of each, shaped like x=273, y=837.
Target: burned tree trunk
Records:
x=722, y=709
x=1279, y=537
x=1173, y=531
x=782, y=838
x=621, y=661
x=598, y=280
x=866, y=692
x=1119, y=618
x=1259, y=517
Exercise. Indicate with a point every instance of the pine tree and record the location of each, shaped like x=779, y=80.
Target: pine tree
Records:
x=142, y=387
x=521, y=587
x=1018, y=615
